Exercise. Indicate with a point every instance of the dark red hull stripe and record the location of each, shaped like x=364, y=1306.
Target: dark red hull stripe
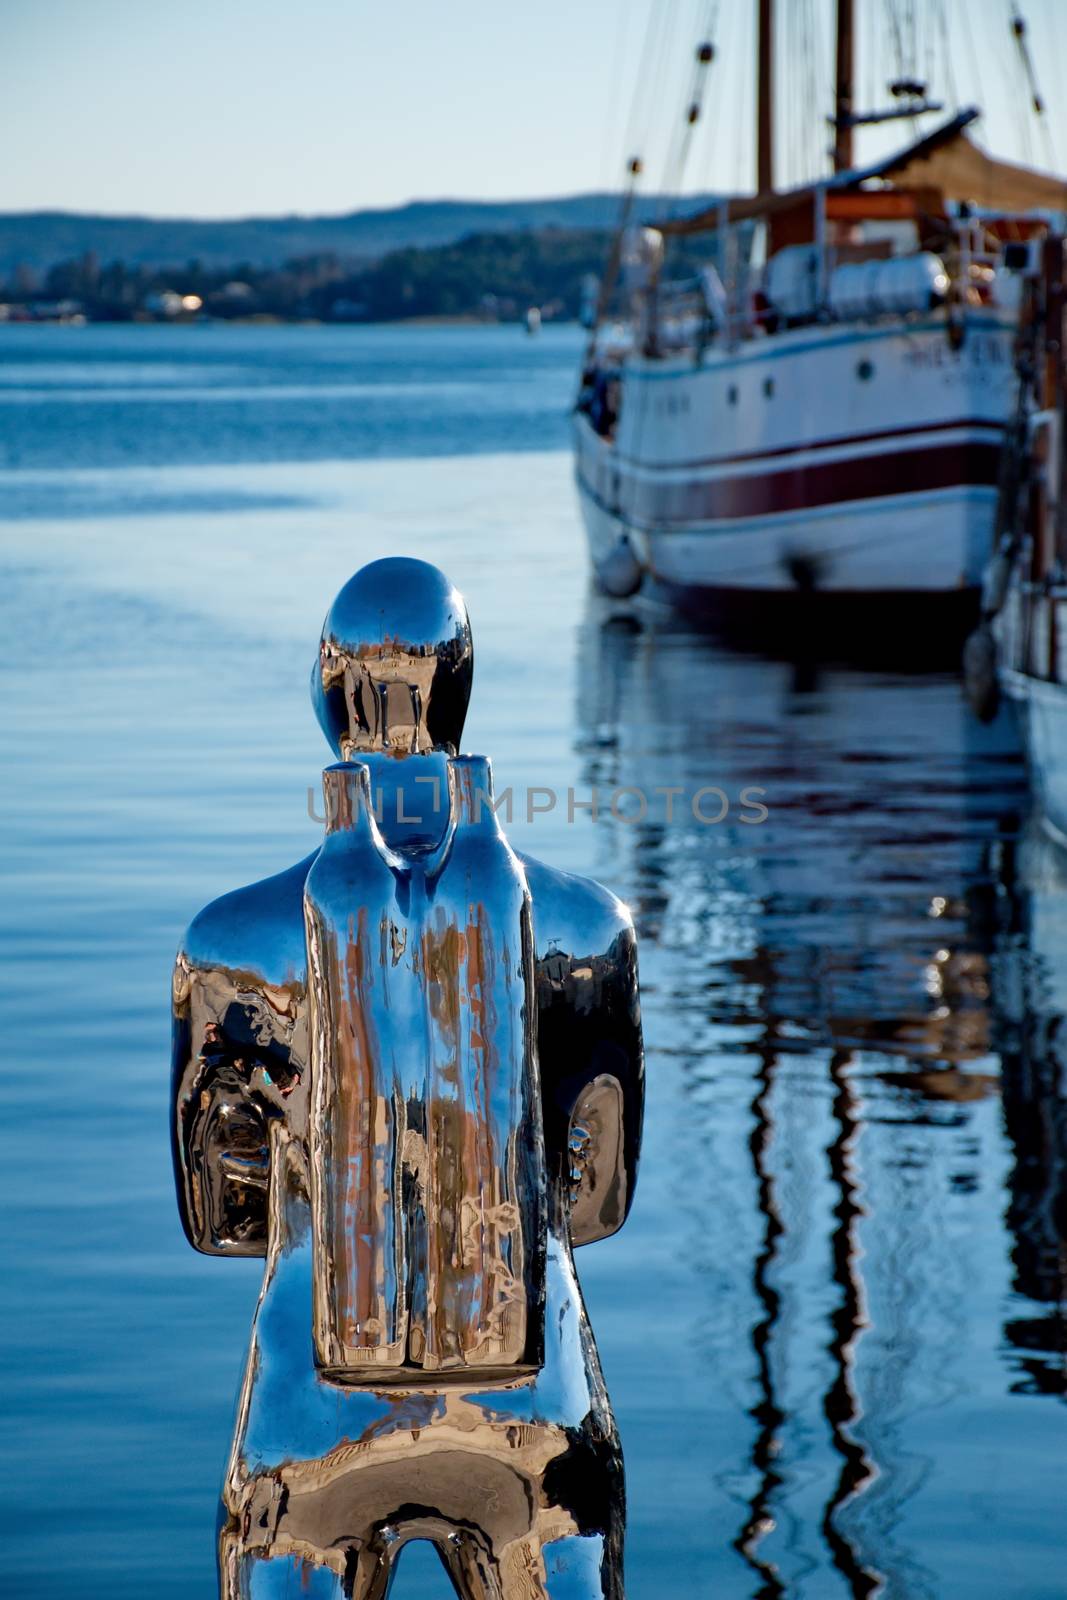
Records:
x=873, y=477
x=841, y=441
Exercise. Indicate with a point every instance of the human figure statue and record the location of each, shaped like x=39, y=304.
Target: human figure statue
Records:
x=408, y=1071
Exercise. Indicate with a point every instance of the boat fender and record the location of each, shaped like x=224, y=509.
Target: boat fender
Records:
x=997, y=578
x=980, y=682
x=804, y=568
x=621, y=574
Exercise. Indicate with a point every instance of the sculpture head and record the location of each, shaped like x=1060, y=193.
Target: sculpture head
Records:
x=395, y=662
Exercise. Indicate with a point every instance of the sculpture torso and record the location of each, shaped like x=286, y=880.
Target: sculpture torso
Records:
x=242, y=1050
x=426, y=1153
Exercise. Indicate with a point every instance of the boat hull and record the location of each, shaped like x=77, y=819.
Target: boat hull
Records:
x=934, y=542
x=842, y=464
x=1041, y=707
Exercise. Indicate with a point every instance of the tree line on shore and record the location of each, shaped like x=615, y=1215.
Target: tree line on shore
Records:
x=491, y=276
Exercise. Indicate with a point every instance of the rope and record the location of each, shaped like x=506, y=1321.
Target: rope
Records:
x=681, y=145
x=969, y=35
x=1029, y=75
x=896, y=36
x=611, y=131
x=950, y=76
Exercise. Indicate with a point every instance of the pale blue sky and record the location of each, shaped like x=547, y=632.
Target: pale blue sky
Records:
x=231, y=107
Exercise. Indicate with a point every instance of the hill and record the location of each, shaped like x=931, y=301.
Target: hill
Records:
x=36, y=240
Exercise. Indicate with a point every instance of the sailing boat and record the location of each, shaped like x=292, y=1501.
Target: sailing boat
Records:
x=821, y=410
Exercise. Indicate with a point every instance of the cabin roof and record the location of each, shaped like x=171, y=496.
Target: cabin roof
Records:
x=945, y=165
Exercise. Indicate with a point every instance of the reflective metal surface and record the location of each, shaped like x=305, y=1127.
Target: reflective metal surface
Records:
x=395, y=661
x=426, y=1153
x=408, y=1070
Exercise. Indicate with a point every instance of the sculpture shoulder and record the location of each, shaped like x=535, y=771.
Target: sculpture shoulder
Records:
x=258, y=930
x=573, y=914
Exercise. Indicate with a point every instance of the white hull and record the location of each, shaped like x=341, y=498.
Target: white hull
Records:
x=1042, y=709
x=856, y=461
x=919, y=543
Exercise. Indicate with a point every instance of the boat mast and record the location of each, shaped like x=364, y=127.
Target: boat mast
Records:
x=843, y=75
x=765, y=99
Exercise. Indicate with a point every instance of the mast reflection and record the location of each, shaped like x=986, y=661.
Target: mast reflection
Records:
x=842, y=956
x=767, y=1414
x=841, y=1403
x=1032, y=1018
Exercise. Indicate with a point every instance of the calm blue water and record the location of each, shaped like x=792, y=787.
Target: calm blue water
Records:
x=834, y=1327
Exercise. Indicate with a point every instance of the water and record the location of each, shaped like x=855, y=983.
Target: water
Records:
x=833, y=1328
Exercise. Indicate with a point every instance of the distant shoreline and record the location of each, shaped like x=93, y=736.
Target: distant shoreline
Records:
x=206, y=323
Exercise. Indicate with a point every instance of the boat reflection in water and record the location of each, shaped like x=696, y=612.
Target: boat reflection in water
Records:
x=853, y=1023
x=1031, y=991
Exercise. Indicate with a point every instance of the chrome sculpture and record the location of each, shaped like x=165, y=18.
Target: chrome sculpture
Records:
x=408, y=1071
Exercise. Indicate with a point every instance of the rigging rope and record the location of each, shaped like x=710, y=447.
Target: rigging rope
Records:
x=681, y=144
x=821, y=93
x=707, y=146
x=896, y=36
x=1017, y=23
x=950, y=76
x=611, y=119
x=968, y=34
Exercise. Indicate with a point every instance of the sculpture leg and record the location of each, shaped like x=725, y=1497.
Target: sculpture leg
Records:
x=577, y=1568
x=359, y=1571
x=574, y=1568
x=254, y=1577
x=471, y=1566
x=368, y=1575
x=371, y=1569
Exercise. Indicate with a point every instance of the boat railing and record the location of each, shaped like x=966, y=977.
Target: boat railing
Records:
x=820, y=283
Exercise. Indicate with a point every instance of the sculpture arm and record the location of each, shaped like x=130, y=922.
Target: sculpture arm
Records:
x=590, y=1048
x=606, y=1123
x=222, y=1166
x=239, y=1031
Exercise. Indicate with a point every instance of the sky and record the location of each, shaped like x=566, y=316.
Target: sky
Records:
x=214, y=108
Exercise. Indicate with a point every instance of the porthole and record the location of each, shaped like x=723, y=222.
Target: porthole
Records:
x=768, y=387
x=731, y=395
x=864, y=370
